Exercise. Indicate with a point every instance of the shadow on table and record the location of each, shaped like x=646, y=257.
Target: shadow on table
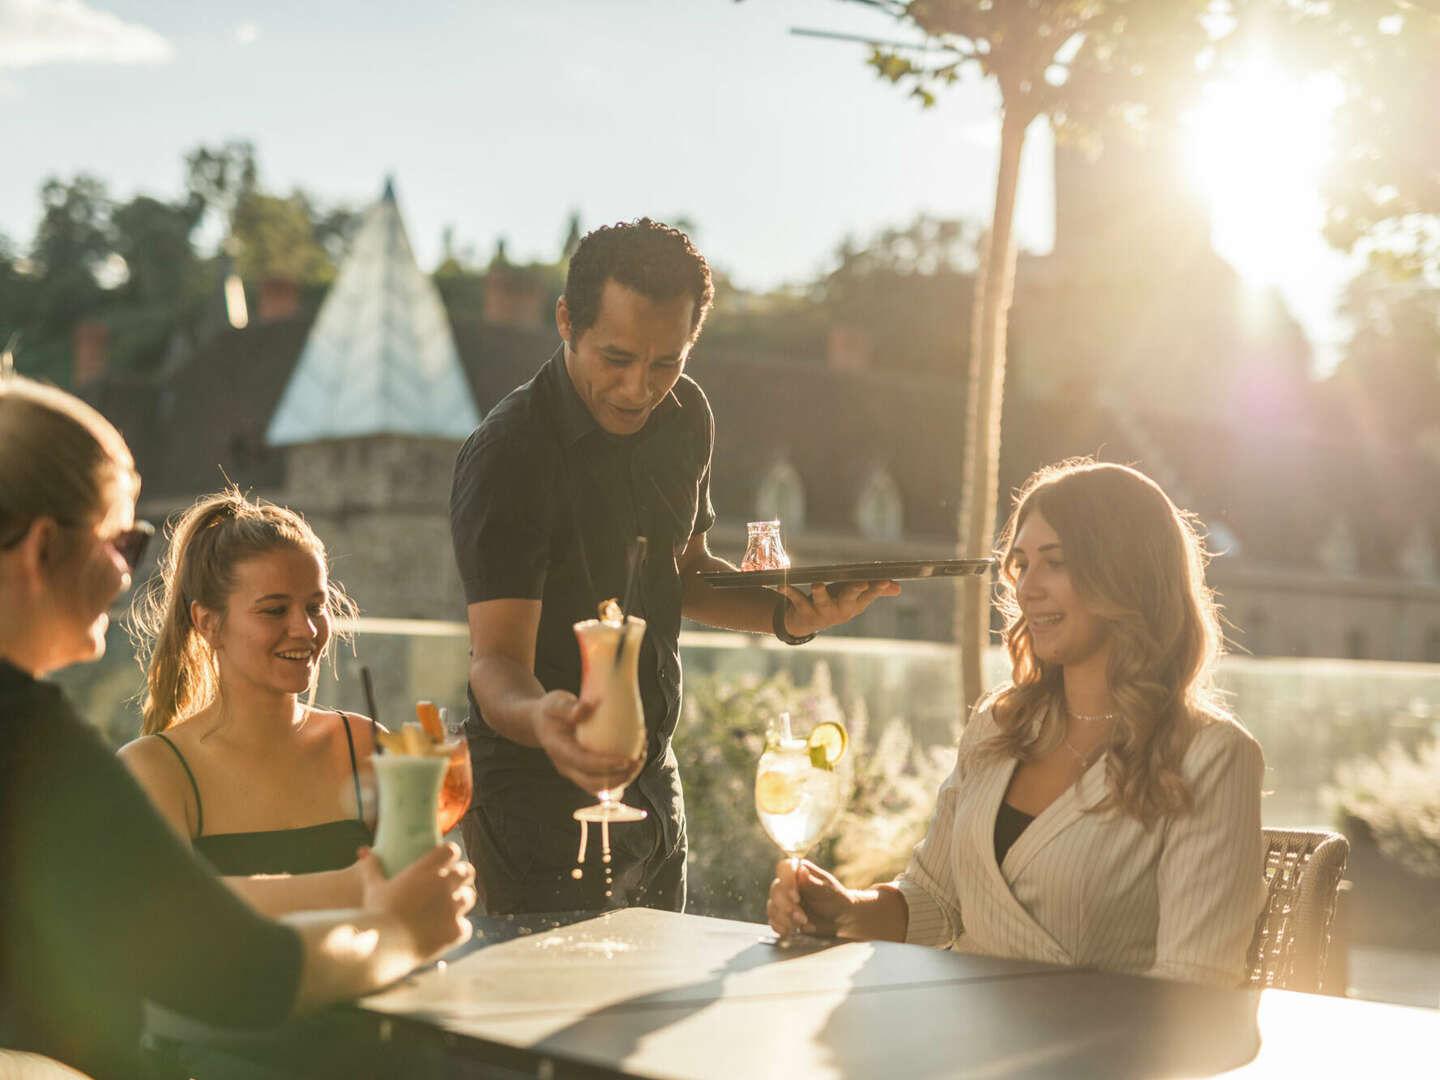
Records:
x=616, y=1031
x=327, y=1045
x=1046, y=1024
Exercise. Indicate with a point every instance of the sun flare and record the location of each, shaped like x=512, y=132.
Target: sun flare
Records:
x=1256, y=145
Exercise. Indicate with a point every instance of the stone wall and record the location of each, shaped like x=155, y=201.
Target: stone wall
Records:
x=382, y=506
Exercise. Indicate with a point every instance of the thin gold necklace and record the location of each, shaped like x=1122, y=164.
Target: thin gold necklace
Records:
x=1085, y=762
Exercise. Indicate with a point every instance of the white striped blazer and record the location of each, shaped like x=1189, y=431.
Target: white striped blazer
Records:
x=1178, y=900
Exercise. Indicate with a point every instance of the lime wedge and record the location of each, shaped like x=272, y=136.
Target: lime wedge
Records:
x=827, y=744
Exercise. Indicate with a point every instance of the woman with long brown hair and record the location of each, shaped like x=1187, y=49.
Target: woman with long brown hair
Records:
x=101, y=907
x=1104, y=810
x=261, y=782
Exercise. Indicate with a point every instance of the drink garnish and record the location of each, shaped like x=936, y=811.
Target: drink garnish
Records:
x=429, y=715
x=415, y=741
x=775, y=794
x=827, y=744
x=610, y=612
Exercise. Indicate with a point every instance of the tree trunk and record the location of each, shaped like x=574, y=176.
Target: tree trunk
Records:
x=993, y=287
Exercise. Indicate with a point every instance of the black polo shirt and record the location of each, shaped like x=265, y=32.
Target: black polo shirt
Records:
x=543, y=506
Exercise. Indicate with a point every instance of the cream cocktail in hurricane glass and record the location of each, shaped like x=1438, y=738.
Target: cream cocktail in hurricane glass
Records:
x=609, y=678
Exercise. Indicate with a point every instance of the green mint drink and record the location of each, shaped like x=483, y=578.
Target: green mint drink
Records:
x=409, y=807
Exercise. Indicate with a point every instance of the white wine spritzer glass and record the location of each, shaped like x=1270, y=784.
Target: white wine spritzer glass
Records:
x=797, y=789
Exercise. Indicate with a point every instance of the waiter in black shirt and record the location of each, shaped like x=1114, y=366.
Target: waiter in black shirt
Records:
x=609, y=441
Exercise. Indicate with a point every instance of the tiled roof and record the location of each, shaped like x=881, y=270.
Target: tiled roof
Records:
x=832, y=426
x=1278, y=488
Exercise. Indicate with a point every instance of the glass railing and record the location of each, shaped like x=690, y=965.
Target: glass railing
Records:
x=1309, y=715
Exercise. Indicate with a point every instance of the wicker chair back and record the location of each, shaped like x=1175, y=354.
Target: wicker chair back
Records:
x=1303, y=868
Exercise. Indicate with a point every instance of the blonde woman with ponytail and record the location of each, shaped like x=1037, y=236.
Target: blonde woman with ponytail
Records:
x=102, y=907
x=233, y=754
x=1104, y=810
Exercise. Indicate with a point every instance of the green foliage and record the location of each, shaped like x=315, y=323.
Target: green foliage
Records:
x=1398, y=796
x=156, y=284
x=1389, y=369
x=1383, y=188
x=153, y=238
x=1094, y=67
x=731, y=859
x=219, y=177
x=890, y=784
x=907, y=287
x=72, y=240
x=893, y=795
x=276, y=236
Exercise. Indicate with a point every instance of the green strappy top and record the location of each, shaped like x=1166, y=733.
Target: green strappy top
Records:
x=328, y=846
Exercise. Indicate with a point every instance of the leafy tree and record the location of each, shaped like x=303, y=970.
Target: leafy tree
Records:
x=16, y=292
x=1382, y=195
x=220, y=177
x=290, y=237
x=1383, y=190
x=154, y=239
x=1389, y=381
x=1101, y=68
x=1092, y=67
x=275, y=237
x=71, y=242
x=894, y=286
x=168, y=284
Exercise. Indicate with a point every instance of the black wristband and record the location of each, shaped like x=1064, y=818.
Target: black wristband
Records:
x=777, y=623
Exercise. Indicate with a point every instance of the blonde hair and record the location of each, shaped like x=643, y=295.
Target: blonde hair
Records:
x=1137, y=562
x=206, y=545
x=59, y=458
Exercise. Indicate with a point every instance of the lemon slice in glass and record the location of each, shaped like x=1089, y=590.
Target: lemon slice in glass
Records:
x=827, y=744
x=775, y=793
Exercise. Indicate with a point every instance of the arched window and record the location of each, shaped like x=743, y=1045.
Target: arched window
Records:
x=781, y=496
x=880, y=512
x=1338, y=552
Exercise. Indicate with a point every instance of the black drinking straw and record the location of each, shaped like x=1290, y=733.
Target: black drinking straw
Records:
x=370, y=701
x=632, y=571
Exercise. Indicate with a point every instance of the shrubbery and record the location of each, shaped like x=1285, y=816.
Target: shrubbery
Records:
x=890, y=784
x=1397, y=795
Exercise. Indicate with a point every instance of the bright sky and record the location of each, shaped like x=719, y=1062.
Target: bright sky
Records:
x=498, y=119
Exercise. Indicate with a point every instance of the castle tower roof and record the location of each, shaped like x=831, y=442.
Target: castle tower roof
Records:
x=381, y=357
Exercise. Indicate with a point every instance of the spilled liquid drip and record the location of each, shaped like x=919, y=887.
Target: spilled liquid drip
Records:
x=579, y=872
x=605, y=854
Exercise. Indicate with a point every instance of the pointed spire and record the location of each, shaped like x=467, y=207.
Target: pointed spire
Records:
x=381, y=358
x=388, y=195
x=572, y=236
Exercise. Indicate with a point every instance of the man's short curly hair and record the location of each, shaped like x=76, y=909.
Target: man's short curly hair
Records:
x=658, y=262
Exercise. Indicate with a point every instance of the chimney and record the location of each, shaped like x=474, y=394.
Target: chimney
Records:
x=92, y=344
x=279, y=298
x=849, y=348
x=513, y=298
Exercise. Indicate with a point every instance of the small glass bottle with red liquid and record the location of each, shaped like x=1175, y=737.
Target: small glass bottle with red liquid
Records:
x=763, y=550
